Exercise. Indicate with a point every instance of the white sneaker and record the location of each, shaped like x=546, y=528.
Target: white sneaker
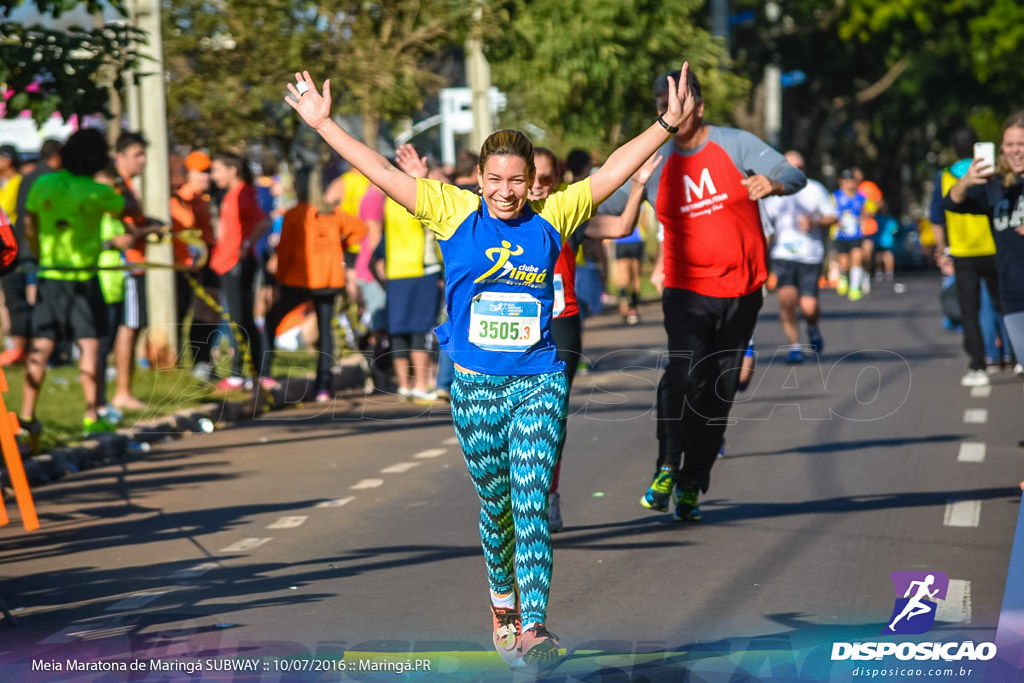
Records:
x=405, y=393
x=423, y=396
x=975, y=378
x=1018, y=369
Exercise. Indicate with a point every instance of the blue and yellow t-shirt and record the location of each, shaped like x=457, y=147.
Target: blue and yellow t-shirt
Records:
x=498, y=275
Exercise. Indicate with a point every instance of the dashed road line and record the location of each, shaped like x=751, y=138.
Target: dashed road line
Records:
x=963, y=513
x=400, y=468
x=977, y=416
x=336, y=503
x=193, y=572
x=367, y=484
x=77, y=632
x=431, y=453
x=981, y=392
x=141, y=599
x=288, y=522
x=971, y=452
x=956, y=608
x=451, y=441
x=244, y=545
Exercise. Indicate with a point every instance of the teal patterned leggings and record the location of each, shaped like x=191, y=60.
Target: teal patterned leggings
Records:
x=510, y=428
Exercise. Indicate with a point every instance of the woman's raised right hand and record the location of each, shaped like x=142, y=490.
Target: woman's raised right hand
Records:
x=313, y=106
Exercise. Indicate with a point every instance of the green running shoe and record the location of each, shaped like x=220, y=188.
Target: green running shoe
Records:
x=687, y=509
x=657, y=497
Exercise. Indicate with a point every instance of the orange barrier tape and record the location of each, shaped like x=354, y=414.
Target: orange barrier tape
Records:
x=8, y=428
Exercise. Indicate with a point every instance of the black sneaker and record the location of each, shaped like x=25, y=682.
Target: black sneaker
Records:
x=538, y=649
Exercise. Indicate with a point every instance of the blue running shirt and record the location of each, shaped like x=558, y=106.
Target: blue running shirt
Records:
x=498, y=275
x=851, y=210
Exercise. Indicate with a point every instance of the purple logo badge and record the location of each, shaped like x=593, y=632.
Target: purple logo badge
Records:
x=916, y=593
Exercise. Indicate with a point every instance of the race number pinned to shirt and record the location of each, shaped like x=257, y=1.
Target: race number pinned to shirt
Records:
x=501, y=321
x=559, y=305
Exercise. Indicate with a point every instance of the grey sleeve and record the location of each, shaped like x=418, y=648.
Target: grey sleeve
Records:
x=753, y=156
x=616, y=204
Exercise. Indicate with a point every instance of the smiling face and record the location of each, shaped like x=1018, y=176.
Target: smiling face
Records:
x=544, y=178
x=1013, y=148
x=505, y=182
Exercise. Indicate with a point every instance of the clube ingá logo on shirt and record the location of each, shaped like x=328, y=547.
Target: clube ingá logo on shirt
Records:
x=504, y=271
x=915, y=605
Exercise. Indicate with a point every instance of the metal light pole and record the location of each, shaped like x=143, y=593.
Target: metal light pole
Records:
x=150, y=108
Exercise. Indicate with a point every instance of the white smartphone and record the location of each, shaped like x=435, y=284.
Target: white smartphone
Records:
x=986, y=153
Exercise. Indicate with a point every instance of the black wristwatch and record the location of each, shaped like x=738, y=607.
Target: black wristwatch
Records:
x=664, y=124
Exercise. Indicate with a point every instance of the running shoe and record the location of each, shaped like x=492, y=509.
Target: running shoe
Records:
x=555, y=521
x=97, y=426
x=856, y=295
x=538, y=649
x=405, y=393
x=230, y=384
x=323, y=396
x=507, y=631
x=843, y=287
x=632, y=318
x=30, y=426
x=975, y=378
x=815, y=339
x=687, y=509
x=795, y=356
x=658, y=495
x=421, y=397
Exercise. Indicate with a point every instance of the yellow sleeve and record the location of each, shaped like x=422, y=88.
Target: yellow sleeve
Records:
x=568, y=209
x=443, y=207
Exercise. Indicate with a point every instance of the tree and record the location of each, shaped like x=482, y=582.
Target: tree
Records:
x=227, y=65
x=225, y=90
x=582, y=70
x=68, y=72
x=886, y=83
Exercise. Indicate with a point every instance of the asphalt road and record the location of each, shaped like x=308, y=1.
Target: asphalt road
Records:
x=351, y=528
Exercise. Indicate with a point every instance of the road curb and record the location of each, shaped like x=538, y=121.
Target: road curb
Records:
x=136, y=441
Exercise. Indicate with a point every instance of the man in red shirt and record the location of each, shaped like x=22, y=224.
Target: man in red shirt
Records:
x=711, y=266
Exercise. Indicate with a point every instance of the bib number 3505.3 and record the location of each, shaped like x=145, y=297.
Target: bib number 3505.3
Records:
x=504, y=322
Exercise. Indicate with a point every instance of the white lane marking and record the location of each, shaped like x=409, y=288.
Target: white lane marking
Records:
x=193, y=572
x=368, y=484
x=244, y=545
x=431, y=453
x=963, y=513
x=977, y=416
x=336, y=503
x=140, y=599
x=451, y=441
x=956, y=608
x=400, y=468
x=288, y=522
x=981, y=392
x=971, y=452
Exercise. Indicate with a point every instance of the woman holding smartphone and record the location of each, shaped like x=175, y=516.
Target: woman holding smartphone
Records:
x=998, y=191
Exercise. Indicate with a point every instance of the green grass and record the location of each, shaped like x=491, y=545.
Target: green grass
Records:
x=61, y=405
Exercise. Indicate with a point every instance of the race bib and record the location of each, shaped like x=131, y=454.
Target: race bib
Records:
x=504, y=322
x=559, y=286
x=848, y=224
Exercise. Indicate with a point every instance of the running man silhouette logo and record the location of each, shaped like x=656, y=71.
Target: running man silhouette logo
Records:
x=916, y=593
x=500, y=257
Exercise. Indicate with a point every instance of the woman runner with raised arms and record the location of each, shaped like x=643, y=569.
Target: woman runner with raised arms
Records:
x=509, y=396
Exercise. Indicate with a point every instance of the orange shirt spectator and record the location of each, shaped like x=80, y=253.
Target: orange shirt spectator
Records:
x=311, y=253
x=240, y=212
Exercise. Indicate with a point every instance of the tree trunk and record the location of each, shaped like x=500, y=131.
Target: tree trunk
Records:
x=371, y=127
